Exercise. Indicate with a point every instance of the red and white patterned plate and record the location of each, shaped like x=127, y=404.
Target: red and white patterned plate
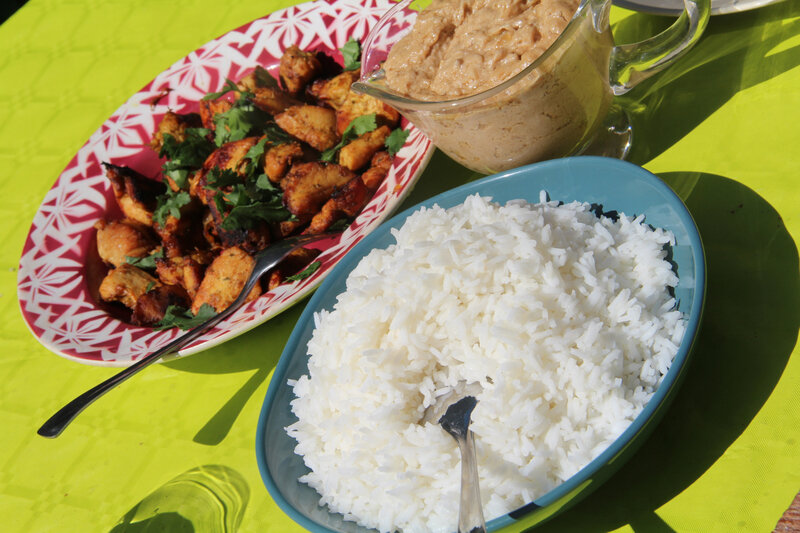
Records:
x=56, y=269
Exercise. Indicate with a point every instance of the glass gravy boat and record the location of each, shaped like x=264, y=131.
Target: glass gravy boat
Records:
x=558, y=105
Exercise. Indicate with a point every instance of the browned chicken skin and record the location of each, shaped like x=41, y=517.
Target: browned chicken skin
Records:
x=136, y=194
x=297, y=68
x=308, y=186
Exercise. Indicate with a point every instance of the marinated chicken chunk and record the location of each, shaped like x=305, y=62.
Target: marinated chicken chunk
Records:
x=151, y=307
x=174, y=125
x=136, y=195
x=308, y=186
x=126, y=284
x=209, y=108
x=335, y=91
x=225, y=279
x=356, y=105
x=312, y=124
x=358, y=153
x=297, y=68
x=229, y=156
x=280, y=158
x=119, y=239
x=379, y=168
x=345, y=202
x=184, y=271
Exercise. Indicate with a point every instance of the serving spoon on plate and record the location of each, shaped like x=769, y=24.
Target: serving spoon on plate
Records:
x=452, y=411
x=265, y=260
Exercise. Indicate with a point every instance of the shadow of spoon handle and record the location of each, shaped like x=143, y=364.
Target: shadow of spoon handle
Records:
x=470, y=513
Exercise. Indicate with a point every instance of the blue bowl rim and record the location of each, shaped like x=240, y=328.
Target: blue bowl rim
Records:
x=619, y=444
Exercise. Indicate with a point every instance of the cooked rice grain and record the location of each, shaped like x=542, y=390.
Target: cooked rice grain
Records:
x=565, y=318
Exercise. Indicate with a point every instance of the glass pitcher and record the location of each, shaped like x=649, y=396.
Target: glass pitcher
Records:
x=557, y=106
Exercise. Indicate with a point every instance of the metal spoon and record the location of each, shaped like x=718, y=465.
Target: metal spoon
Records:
x=456, y=421
x=265, y=260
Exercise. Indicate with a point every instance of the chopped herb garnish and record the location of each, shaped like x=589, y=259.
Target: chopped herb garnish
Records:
x=180, y=317
x=150, y=286
x=306, y=272
x=358, y=126
x=147, y=262
x=248, y=215
x=351, y=53
x=264, y=78
x=185, y=157
x=395, y=141
x=242, y=120
x=170, y=203
x=228, y=87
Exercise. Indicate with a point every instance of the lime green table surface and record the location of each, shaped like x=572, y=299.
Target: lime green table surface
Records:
x=722, y=127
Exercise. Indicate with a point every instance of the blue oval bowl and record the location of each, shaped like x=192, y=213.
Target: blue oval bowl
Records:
x=616, y=186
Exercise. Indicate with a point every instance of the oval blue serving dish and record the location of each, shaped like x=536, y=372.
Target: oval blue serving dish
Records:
x=614, y=185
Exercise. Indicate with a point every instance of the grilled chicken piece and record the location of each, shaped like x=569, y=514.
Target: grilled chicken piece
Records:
x=345, y=202
x=292, y=264
x=174, y=125
x=378, y=170
x=184, y=271
x=152, y=305
x=314, y=125
x=136, y=194
x=280, y=158
x=126, y=284
x=297, y=68
x=308, y=186
x=119, y=239
x=267, y=95
x=356, y=105
x=335, y=91
x=209, y=108
x=229, y=156
x=357, y=154
x=225, y=279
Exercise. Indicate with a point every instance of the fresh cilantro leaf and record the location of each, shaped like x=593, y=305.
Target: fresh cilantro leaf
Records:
x=247, y=216
x=187, y=156
x=264, y=78
x=351, y=53
x=242, y=120
x=218, y=178
x=306, y=272
x=396, y=140
x=180, y=317
x=170, y=203
x=228, y=87
x=147, y=262
x=263, y=183
x=358, y=126
x=150, y=286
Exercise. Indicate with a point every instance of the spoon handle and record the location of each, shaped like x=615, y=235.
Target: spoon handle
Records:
x=264, y=260
x=470, y=511
x=56, y=423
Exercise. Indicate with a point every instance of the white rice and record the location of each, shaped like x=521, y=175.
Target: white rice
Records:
x=564, y=318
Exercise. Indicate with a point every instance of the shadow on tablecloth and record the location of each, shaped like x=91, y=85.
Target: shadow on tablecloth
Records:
x=749, y=330
x=736, y=52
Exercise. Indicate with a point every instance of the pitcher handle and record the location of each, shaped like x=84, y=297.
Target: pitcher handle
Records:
x=633, y=63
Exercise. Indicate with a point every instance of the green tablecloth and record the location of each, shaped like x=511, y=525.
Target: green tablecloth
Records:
x=722, y=127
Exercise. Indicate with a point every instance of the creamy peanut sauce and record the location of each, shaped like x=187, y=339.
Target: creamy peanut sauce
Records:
x=462, y=47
